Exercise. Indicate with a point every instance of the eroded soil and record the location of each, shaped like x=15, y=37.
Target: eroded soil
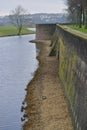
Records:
x=47, y=106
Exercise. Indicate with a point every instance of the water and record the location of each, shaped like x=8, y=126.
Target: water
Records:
x=17, y=63
x=33, y=29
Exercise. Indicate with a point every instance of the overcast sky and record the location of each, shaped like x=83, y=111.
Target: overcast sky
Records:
x=33, y=6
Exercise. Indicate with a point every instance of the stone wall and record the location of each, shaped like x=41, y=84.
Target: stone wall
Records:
x=72, y=55
x=71, y=51
x=45, y=31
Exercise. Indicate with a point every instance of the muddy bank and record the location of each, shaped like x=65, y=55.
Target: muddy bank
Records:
x=46, y=104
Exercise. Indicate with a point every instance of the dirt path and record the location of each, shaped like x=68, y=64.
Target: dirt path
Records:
x=47, y=109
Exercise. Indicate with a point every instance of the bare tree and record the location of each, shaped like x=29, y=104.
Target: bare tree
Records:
x=17, y=18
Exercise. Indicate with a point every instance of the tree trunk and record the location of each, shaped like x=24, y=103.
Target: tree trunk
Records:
x=86, y=18
x=83, y=20
x=80, y=17
x=77, y=19
x=19, y=30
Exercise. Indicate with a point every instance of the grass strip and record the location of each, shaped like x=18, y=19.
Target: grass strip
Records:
x=82, y=29
x=12, y=31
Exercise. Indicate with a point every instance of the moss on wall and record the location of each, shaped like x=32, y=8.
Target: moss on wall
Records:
x=72, y=57
x=67, y=62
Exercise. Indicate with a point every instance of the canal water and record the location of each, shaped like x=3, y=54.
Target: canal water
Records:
x=17, y=65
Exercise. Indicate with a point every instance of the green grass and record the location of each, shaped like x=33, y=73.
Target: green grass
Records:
x=12, y=31
x=82, y=29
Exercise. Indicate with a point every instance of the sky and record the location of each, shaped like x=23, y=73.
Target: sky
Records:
x=33, y=6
